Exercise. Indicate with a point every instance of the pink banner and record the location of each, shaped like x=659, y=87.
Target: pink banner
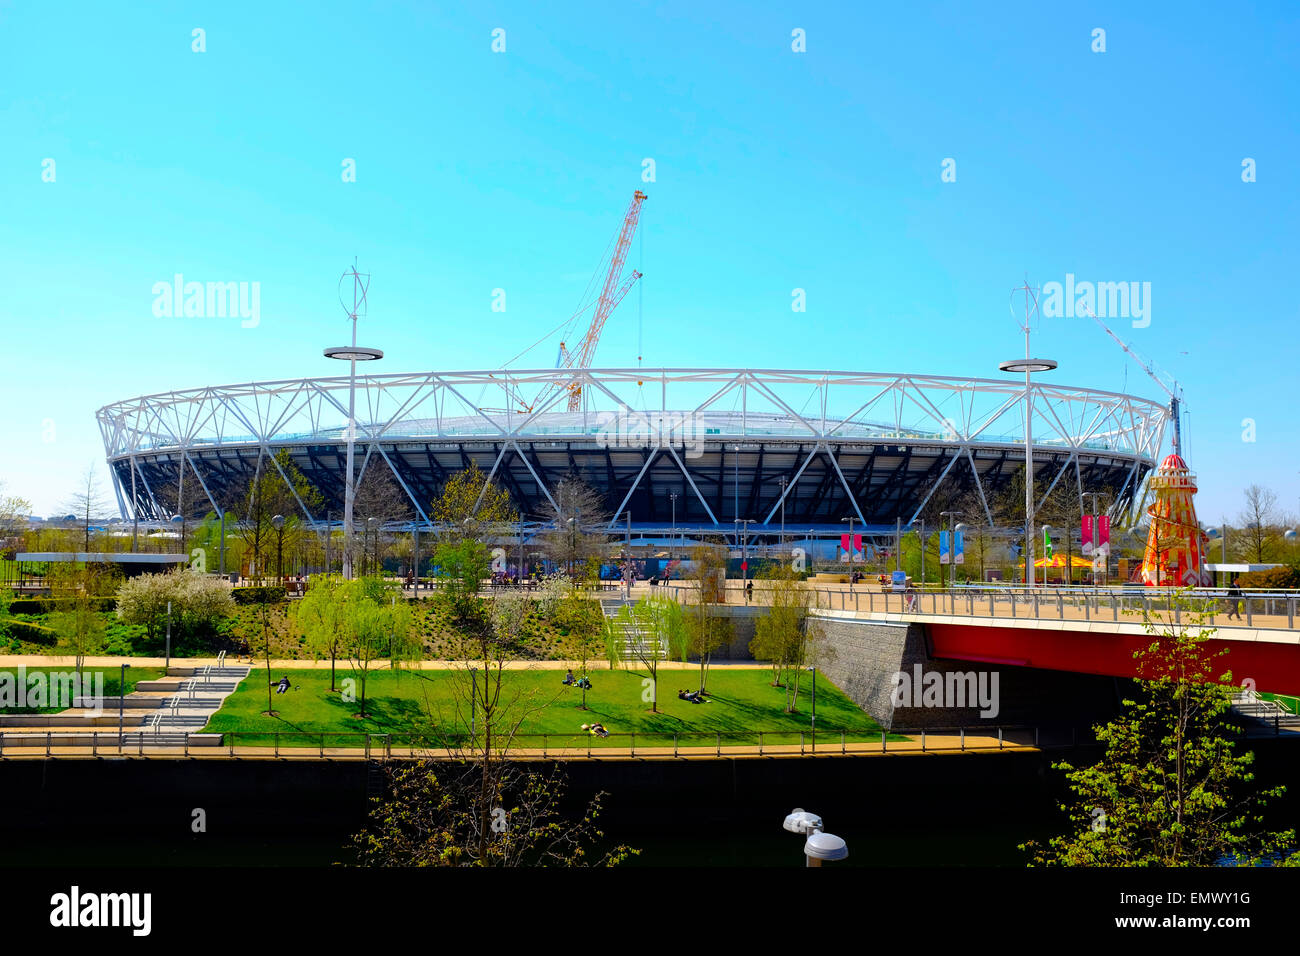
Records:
x=857, y=542
x=1103, y=534
x=1086, y=536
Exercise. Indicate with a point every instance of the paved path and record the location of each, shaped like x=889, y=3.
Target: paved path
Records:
x=38, y=660
x=826, y=747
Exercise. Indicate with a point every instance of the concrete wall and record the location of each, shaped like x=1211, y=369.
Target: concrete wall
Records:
x=864, y=657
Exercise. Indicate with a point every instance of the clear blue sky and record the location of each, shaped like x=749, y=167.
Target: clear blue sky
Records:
x=775, y=170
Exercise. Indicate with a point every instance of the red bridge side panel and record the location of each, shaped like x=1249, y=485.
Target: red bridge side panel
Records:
x=1275, y=668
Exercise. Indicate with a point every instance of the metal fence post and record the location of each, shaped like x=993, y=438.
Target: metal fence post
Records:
x=1035, y=737
x=760, y=743
x=631, y=747
x=883, y=748
x=962, y=732
x=674, y=745
x=719, y=753
x=277, y=745
x=844, y=747
x=1250, y=617
x=801, y=743
x=922, y=741
x=999, y=738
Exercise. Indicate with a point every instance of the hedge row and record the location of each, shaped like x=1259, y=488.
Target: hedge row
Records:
x=48, y=605
x=36, y=633
x=271, y=594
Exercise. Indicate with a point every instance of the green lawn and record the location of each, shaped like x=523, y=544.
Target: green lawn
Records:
x=112, y=678
x=424, y=702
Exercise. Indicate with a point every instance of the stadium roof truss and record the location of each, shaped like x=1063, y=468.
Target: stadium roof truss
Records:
x=872, y=445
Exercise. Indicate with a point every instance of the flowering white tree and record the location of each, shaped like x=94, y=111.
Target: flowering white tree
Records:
x=197, y=599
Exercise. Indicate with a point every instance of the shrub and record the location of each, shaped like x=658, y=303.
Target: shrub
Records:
x=1283, y=577
x=50, y=605
x=271, y=594
x=35, y=633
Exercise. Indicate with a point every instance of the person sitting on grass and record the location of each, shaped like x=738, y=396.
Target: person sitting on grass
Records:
x=568, y=678
x=584, y=682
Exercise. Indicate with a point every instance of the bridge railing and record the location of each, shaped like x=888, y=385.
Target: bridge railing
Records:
x=1274, y=609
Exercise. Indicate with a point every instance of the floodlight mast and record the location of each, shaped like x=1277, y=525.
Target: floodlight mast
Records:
x=352, y=355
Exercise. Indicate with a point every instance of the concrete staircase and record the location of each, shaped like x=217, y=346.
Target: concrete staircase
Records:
x=189, y=697
x=634, y=646
x=1251, y=706
x=167, y=712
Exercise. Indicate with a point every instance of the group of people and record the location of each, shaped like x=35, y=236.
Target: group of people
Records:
x=694, y=696
x=597, y=730
x=570, y=681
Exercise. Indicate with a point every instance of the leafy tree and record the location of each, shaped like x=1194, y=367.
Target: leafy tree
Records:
x=651, y=621
x=320, y=617
x=80, y=628
x=788, y=635
x=376, y=626
x=462, y=565
x=706, y=582
x=1170, y=788
x=433, y=818
x=470, y=507
x=583, y=620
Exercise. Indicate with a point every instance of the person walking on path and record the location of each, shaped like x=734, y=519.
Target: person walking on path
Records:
x=1234, y=595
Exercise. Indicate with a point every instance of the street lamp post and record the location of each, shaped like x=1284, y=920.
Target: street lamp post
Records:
x=921, y=522
x=352, y=355
x=813, y=668
x=952, y=548
x=1029, y=365
x=742, y=532
x=673, y=498
x=627, y=561
x=277, y=523
x=782, y=480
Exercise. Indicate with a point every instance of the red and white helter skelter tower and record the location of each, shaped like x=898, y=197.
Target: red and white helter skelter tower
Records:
x=1175, y=551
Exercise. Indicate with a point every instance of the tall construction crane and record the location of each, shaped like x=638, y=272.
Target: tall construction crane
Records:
x=1174, y=392
x=612, y=293
x=610, y=296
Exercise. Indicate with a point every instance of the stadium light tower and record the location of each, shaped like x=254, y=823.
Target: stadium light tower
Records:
x=352, y=354
x=1029, y=365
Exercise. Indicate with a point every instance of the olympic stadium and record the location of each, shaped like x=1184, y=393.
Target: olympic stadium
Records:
x=690, y=449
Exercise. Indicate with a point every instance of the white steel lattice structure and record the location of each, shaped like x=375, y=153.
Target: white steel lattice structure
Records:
x=726, y=442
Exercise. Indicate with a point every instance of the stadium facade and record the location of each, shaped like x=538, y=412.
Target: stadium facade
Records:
x=807, y=448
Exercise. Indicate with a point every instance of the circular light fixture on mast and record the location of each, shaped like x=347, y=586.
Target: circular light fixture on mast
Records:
x=354, y=353
x=1028, y=365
